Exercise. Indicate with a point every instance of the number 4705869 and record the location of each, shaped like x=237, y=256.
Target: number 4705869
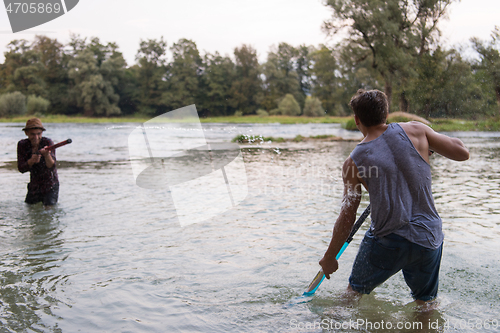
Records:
x=33, y=7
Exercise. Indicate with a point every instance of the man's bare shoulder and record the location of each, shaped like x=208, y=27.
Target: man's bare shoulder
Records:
x=424, y=138
x=414, y=127
x=417, y=132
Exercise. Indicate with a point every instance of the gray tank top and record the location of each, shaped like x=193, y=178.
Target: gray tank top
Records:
x=399, y=184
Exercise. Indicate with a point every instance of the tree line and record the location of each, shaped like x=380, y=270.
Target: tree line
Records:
x=390, y=45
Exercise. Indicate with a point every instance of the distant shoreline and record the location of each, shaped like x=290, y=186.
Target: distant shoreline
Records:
x=441, y=125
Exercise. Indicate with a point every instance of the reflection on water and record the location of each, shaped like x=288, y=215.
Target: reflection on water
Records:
x=31, y=249
x=112, y=257
x=372, y=314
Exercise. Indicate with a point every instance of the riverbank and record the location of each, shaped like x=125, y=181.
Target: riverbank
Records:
x=441, y=125
x=229, y=119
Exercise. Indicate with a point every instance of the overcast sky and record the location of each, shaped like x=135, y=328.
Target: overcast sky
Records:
x=222, y=25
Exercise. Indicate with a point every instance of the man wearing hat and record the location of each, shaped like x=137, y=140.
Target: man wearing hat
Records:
x=41, y=163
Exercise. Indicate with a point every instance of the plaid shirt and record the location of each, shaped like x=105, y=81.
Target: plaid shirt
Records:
x=42, y=179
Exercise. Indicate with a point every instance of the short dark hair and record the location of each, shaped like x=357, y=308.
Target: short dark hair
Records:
x=370, y=106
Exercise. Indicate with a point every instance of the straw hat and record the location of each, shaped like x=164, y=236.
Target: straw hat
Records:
x=34, y=123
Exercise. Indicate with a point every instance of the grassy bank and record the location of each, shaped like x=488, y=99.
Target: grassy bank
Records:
x=139, y=119
x=276, y=119
x=440, y=125
x=75, y=119
x=445, y=125
x=451, y=125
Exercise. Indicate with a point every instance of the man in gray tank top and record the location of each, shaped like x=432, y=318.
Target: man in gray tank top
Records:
x=392, y=163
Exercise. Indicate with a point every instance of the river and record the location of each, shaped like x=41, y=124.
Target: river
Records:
x=112, y=256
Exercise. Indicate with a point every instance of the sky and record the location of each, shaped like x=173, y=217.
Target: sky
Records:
x=222, y=25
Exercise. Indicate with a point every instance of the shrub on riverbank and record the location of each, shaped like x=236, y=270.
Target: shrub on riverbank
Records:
x=313, y=107
x=289, y=106
x=350, y=125
x=12, y=104
x=37, y=105
x=262, y=113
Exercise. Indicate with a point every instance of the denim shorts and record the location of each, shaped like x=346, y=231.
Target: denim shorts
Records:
x=47, y=198
x=379, y=258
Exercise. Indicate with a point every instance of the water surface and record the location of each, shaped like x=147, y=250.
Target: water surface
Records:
x=112, y=257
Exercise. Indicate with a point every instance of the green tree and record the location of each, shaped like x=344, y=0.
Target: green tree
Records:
x=246, y=90
x=392, y=33
x=54, y=74
x=150, y=73
x=113, y=69
x=445, y=86
x=218, y=77
x=303, y=67
x=326, y=80
x=490, y=60
x=281, y=77
x=183, y=75
x=21, y=70
x=95, y=70
x=356, y=73
x=128, y=89
x=91, y=93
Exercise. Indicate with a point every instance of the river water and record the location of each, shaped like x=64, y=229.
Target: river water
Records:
x=112, y=256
